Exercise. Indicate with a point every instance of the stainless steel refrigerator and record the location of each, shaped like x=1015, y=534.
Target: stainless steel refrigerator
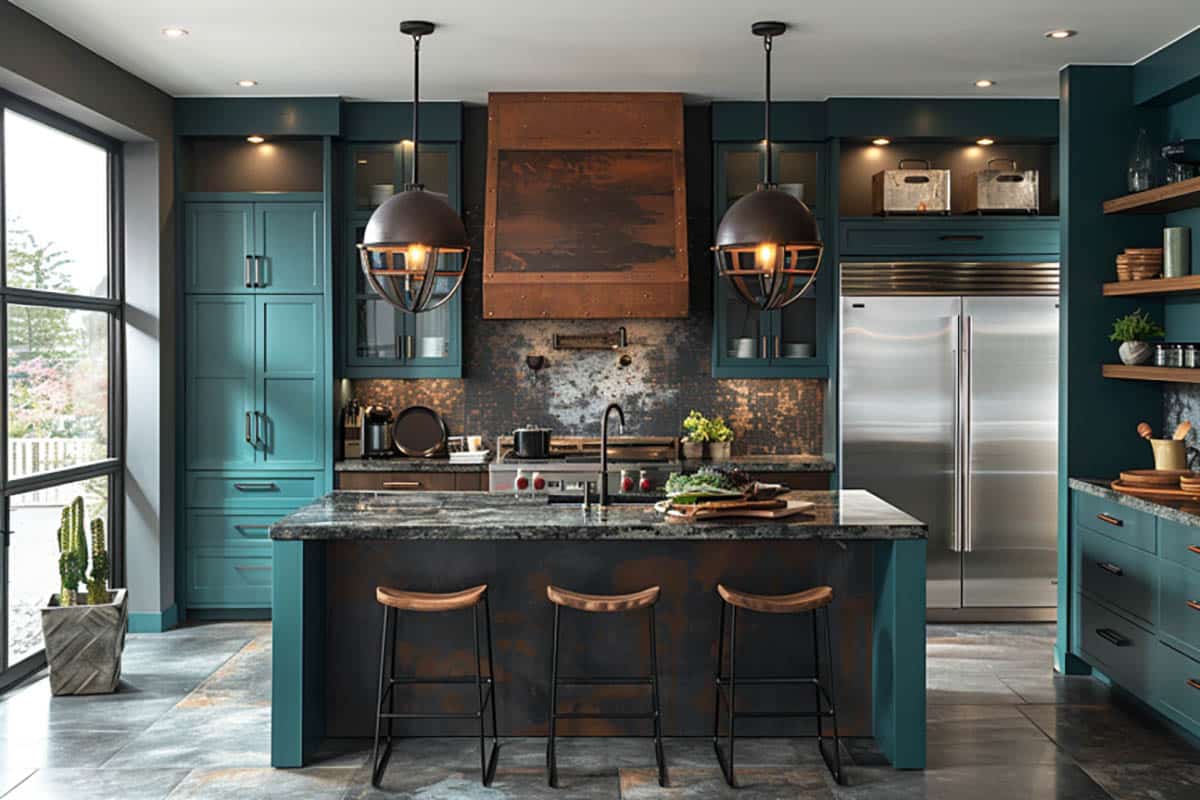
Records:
x=949, y=410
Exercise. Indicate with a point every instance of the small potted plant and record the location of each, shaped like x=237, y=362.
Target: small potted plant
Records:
x=720, y=440
x=1133, y=331
x=84, y=631
x=695, y=427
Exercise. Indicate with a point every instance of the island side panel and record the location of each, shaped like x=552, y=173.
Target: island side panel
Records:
x=899, y=652
x=297, y=651
x=517, y=574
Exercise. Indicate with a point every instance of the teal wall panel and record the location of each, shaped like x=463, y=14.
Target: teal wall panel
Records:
x=1170, y=75
x=389, y=122
x=267, y=116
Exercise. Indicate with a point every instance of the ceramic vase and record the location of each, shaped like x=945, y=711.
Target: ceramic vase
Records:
x=1134, y=353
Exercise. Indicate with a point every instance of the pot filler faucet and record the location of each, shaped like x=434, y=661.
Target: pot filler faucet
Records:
x=603, y=483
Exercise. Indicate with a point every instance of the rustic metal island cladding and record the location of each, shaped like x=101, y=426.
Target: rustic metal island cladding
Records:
x=586, y=212
x=331, y=555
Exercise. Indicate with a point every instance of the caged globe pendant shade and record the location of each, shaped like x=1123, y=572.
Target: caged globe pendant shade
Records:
x=768, y=243
x=414, y=249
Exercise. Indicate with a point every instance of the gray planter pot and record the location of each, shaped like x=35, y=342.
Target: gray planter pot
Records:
x=693, y=450
x=84, y=645
x=720, y=451
x=1134, y=353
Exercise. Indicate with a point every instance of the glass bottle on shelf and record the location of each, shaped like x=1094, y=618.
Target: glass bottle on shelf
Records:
x=1141, y=163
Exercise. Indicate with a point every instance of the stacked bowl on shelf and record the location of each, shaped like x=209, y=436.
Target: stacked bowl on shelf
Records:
x=1139, y=263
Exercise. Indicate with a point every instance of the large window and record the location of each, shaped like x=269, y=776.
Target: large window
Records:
x=62, y=375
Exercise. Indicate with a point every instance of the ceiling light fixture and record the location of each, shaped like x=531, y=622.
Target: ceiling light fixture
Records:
x=985, y=142
x=174, y=33
x=414, y=250
x=1061, y=33
x=984, y=83
x=768, y=243
x=881, y=142
x=255, y=139
x=246, y=83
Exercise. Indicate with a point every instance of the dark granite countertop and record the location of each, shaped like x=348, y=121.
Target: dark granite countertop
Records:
x=1184, y=512
x=769, y=463
x=345, y=516
x=405, y=464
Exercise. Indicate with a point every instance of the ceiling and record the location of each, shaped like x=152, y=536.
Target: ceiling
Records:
x=352, y=48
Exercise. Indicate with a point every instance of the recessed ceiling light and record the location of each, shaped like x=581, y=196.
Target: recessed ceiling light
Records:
x=255, y=139
x=984, y=83
x=881, y=142
x=174, y=33
x=985, y=142
x=1061, y=33
x=362, y=161
x=246, y=83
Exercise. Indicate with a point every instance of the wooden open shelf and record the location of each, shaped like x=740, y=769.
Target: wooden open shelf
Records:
x=1160, y=200
x=1168, y=374
x=1184, y=285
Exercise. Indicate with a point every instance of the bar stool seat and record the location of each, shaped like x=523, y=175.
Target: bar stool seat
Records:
x=603, y=603
x=643, y=600
x=795, y=603
x=393, y=601
x=429, y=601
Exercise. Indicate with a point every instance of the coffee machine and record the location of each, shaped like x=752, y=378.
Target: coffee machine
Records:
x=377, y=432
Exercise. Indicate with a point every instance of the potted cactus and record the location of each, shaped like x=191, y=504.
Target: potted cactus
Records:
x=84, y=630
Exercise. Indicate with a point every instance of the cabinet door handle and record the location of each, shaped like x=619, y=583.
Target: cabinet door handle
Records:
x=1111, y=636
x=777, y=346
x=763, y=348
x=1111, y=520
x=401, y=484
x=255, y=487
x=248, y=430
x=1194, y=605
x=246, y=273
x=1192, y=682
x=258, y=415
x=1110, y=568
x=1194, y=548
x=408, y=346
x=257, y=278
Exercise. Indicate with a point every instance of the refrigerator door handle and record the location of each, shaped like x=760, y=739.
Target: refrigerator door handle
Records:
x=956, y=544
x=969, y=357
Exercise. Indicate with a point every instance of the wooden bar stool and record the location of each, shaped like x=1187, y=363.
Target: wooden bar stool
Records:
x=397, y=600
x=811, y=600
x=593, y=603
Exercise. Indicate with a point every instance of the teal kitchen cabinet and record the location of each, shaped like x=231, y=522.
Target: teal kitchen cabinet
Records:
x=219, y=382
x=248, y=247
x=382, y=341
x=906, y=237
x=1135, y=602
x=289, y=381
x=788, y=342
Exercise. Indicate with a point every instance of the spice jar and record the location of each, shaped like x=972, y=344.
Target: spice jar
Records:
x=1190, y=359
x=1175, y=356
x=1160, y=355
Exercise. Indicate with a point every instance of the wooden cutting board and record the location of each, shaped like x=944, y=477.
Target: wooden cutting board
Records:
x=777, y=511
x=1153, y=493
x=1154, y=478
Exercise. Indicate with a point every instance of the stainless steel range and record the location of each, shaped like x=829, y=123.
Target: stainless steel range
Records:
x=637, y=465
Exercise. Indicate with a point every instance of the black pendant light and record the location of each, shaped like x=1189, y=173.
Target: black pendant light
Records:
x=768, y=243
x=414, y=250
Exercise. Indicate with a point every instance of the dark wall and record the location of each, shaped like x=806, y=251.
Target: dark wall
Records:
x=670, y=370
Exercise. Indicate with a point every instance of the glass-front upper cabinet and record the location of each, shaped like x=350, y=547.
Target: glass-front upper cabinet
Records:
x=788, y=342
x=384, y=341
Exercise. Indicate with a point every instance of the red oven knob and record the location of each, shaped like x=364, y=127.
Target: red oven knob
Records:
x=626, y=482
x=539, y=482
x=522, y=483
x=643, y=484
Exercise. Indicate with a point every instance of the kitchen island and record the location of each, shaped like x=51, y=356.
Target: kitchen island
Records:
x=330, y=555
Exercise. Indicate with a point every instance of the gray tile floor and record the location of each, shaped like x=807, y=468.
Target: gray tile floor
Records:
x=192, y=720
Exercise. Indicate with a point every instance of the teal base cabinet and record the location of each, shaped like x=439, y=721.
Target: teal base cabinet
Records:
x=1135, y=603
x=256, y=388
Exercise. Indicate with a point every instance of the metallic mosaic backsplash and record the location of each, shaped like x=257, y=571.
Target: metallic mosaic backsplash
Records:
x=669, y=372
x=1181, y=401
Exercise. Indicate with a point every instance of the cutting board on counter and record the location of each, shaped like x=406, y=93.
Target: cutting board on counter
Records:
x=745, y=509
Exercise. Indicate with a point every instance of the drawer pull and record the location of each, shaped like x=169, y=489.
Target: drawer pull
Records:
x=252, y=567
x=1111, y=520
x=401, y=484
x=244, y=528
x=961, y=237
x=1194, y=548
x=1111, y=636
x=1110, y=568
x=1192, y=682
x=1194, y=605
x=255, y=487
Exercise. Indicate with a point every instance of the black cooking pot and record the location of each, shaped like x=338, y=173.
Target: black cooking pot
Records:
x=531, y=442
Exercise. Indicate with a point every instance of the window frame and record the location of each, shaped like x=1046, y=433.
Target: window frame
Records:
x=113, y=465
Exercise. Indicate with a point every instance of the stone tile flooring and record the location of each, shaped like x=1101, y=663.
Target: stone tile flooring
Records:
x=193, y=721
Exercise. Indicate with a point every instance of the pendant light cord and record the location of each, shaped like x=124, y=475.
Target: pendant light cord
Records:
x=767, y=114
x=416, y=171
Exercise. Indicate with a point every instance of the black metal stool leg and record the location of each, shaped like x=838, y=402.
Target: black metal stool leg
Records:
x=817, y=677
x=658, y=744
x=378, y=766
x=725, y=760
x=551, y=765
x=717, y=680
x=836, y=767
x=490, y=772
